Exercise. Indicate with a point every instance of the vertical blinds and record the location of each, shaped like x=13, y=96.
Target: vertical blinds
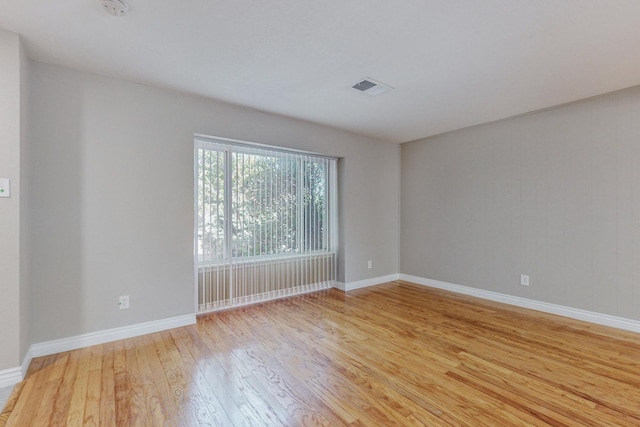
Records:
x=265, y=223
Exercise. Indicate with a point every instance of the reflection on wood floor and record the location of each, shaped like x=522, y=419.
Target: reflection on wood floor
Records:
x=394, y=354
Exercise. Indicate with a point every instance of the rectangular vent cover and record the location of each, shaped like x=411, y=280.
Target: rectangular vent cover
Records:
x=371, y=87
x=364, y=85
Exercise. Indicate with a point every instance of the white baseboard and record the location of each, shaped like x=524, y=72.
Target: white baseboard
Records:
x=10, y=377
x=366, y=282
x=561, y=310
x=26, y=362
x=85, y=340
x=338, y=285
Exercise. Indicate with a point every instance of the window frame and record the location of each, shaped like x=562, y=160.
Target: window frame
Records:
x=230, y=146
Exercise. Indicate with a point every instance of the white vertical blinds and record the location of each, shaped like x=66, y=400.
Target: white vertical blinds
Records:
x=265, y=223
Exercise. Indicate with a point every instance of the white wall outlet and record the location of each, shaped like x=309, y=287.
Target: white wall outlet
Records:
x=123, y=302
x=524, y=280
x=5, y=187
x=369, y=264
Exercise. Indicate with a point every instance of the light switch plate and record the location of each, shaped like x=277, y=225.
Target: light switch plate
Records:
x=5, y=187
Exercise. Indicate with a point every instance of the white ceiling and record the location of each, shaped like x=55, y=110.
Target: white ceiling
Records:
x=453, y=63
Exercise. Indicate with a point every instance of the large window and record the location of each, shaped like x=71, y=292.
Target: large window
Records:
x=259, y=207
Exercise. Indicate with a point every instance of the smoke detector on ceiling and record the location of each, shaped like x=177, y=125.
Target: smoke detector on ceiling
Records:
x=371, y=87
x=115, y=7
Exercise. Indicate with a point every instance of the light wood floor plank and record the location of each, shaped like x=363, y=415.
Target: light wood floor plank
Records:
x=75, y=415
x=54, y=392
x=107, y=393
x=138, y=412
x=152, y=390
x=244, y=396
x=202, y=395
x=394, y=354
x=94, y=388
x=121, y=385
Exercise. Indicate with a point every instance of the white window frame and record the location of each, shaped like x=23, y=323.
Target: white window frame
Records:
x=228, y=146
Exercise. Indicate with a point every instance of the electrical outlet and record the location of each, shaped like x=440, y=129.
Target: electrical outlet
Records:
x=524, y=280
x=369, y=264
x=123, y=302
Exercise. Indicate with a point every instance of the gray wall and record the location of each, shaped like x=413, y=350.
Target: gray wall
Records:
x=112, y=205
x=555, y=195
x=25, y=204
x=10, y=138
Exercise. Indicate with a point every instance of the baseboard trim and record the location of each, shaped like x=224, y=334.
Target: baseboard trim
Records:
x=10, y=377
x=85, y=340
x=366, y=282
x=561, y=310
x=26, y=362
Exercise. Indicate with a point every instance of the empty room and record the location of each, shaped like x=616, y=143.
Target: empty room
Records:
x=339, y=213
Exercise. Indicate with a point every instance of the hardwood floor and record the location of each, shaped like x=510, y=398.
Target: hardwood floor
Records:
x=395, y=354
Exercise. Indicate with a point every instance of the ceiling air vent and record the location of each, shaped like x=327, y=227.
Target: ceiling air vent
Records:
x=371, y=87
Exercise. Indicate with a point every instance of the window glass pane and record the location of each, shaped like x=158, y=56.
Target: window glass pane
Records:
x=210, y=205
x=314, y=204
x=264, y=204
x=276, y=202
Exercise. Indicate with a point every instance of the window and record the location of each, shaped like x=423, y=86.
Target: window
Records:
x=261, y=211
